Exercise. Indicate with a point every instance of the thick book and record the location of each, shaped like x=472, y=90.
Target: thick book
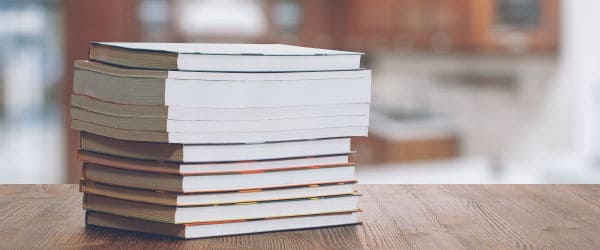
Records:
x=208, y=126
x=196, y=199
x=217, y=114
x=221, y=228
x=172, y=152
x=212, y=167
x=219, y=137
x=208, y=213
x=222, y=57
x=219, y=90
x=217, y=182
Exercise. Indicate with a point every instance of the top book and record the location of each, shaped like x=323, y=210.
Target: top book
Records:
x=222, y=57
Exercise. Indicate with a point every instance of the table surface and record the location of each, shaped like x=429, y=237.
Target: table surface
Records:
x=394, y=216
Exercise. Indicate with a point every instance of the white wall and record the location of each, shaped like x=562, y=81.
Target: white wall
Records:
x=553, y=110
x=569, y=121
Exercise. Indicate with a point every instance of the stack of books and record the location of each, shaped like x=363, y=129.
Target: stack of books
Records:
x=202, y=140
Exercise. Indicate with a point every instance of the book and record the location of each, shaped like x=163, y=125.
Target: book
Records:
x=217, y=114
x=195, y=199
x=212, y=167
x=208, y=126
x=210, y=213
x=222, y=228
x=222, y=57
x=217, y=90
x=217, y=182
x=208, y=153
x=203, y=140
x=219, y=137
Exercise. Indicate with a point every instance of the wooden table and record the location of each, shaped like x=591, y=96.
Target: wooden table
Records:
x=395, y=216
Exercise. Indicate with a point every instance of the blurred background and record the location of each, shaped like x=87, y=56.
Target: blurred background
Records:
x=464, y=91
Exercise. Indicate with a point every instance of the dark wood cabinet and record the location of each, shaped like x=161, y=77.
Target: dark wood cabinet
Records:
x=438, y=25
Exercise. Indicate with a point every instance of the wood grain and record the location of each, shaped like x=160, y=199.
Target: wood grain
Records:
x=394, y=217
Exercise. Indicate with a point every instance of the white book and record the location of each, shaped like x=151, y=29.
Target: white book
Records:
x=213, y=153
x=216, y=182
x=196, y=199
x=218, y=90
x=217, y=114
x=207, y=126
x=223, y=57
x=219, y=137
x=210, y=213
x=203, y=230
x=159, y=166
